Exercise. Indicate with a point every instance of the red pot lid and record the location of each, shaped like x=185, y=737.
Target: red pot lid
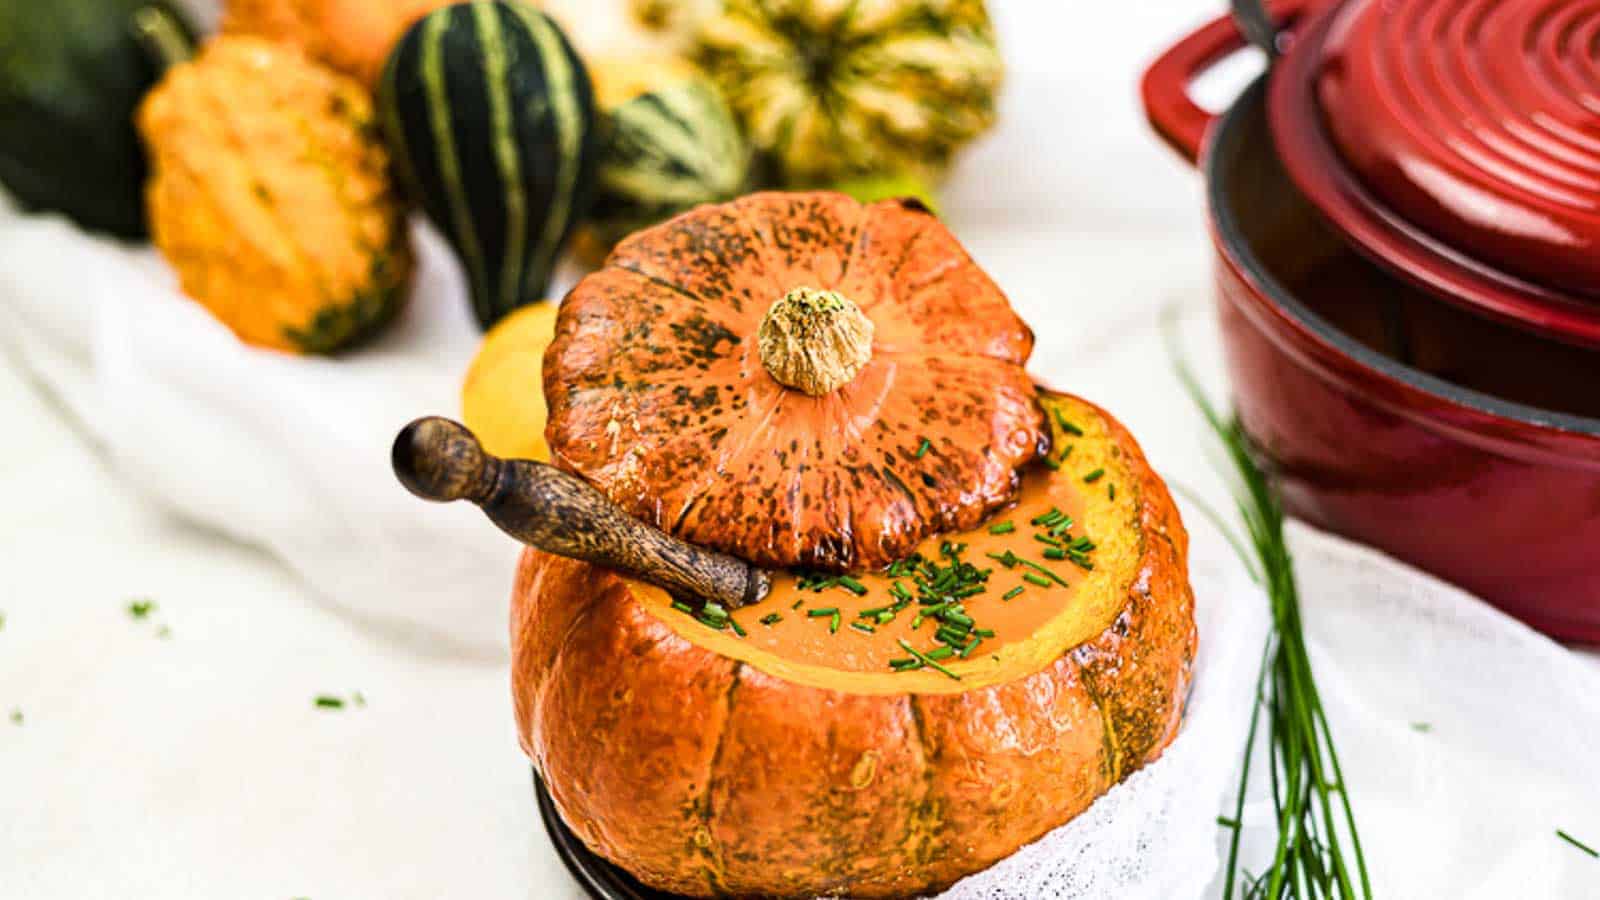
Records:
x=1458, y=142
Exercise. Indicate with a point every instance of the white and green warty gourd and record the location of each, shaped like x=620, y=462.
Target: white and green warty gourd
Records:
x=834, y=89
x=670, y=143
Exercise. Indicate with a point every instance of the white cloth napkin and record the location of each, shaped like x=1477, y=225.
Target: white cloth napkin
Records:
x=289, y=453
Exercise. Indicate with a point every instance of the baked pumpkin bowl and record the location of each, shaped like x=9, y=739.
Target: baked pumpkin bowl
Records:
x=969, y=614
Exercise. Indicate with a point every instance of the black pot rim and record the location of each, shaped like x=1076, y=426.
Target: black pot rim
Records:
x=1221, y=143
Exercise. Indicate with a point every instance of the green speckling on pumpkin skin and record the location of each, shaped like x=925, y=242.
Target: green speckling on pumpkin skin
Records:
x=340, y=326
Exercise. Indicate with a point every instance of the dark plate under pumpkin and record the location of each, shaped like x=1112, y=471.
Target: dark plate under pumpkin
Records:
x=598, y=878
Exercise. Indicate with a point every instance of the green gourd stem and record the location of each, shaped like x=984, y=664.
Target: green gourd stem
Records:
x=162, y=37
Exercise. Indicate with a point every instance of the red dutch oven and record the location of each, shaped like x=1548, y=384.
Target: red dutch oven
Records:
x=1409, y=380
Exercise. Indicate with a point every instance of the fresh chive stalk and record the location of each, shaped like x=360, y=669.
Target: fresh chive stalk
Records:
x=1318, y=850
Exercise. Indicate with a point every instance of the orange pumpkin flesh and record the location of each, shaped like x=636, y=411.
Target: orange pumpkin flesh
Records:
x=658, y=393
x=707, y=764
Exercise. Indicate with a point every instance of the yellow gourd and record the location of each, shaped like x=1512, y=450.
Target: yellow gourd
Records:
x=502, y=398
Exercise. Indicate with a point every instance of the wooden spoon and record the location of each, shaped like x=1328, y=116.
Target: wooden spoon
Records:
x=544, y=507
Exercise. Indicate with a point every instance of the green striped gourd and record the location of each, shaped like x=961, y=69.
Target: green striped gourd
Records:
x=491, y=120
x=829, y=90
x=670, y=144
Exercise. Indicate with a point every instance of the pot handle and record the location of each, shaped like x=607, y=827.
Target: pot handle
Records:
x=1180, y=121
x=544, y=507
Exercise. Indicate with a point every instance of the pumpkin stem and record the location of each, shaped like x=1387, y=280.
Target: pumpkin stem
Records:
x=814, y=341
x=162, y=37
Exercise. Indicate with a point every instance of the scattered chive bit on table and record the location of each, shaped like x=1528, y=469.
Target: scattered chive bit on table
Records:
x=327, y=701
x=16, y=716
x=1577, y=843
x=1421, y=727
x=2, y=620
x=141, y=607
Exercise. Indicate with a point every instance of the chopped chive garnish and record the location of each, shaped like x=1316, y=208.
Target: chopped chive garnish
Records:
x=324, y=701
x=923, y=448
x=1094, y=476
x=736, y=629
x=1044, y=571
x=141, y=608
x=1011, y=593
x=1035, y=579
x=1062, y=527
x=956, y=618
x=983, y=633
x=944, y=652
x=683, y=607
x=1046, y=539
x=901, y=665
x=1051, y=464
x=824, y=611
x=1082, y=544
x=797, y=604
x=921, y=657
x=1577, y=843
x=1111, y=492
x=867, y=629
x=1002, y=528
x=1054, y=553
x=771, y=619
x=1067, y=452
x=852, y=585
x=899, y=590
x=833, y=622
x=1066, y=426
x=967, y=650
x=1009, y=559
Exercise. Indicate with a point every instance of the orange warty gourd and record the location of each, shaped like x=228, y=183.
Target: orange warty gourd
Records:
x=797, y=379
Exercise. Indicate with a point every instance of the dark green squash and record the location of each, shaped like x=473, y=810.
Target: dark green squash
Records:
x=72, y=72
x=491, y=119
x=670, y=144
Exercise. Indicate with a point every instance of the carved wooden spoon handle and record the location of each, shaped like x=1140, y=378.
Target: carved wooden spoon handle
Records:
x=537, y=504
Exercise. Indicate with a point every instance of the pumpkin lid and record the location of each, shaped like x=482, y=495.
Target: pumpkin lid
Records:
x=797, y=379
x=1458, y=142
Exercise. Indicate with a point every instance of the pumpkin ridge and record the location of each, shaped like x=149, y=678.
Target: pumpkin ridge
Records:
x=1110, y=745
x=697, y=491
x=714, y=871
x=772, y=268
x=927, y=817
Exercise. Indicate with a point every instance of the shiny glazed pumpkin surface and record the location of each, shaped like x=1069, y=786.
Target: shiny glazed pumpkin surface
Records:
x=707, y=764
x=806, y=644
x=660, y=394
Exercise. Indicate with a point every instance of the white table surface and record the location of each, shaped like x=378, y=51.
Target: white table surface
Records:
x=1088, y=222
